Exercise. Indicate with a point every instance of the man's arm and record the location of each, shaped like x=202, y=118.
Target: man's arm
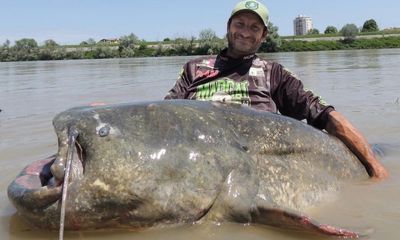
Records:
x=179, y=91
x=340, y=127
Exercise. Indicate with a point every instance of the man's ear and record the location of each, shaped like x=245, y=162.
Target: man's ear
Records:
x=265, y=33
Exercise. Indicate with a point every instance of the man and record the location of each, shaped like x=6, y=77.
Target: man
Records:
x=237, y=74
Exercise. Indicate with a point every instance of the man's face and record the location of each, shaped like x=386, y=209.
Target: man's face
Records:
x=245, y=34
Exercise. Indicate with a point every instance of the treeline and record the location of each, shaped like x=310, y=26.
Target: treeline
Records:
x=350, y=38
x=325, y=45
x=369, y=26
x=206, y=43
x=27, y=49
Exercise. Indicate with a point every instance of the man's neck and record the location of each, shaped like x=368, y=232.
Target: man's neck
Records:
x=238, y=56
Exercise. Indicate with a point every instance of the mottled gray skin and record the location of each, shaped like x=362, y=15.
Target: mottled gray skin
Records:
x=180, y=161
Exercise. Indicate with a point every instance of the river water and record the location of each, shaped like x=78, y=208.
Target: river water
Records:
x=362, y=84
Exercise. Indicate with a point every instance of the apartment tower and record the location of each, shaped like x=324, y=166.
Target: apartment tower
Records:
x=302, y=25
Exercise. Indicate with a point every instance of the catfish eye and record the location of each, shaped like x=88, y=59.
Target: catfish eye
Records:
x=104, y=131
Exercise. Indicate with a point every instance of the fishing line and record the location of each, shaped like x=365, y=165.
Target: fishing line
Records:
x=72, y=135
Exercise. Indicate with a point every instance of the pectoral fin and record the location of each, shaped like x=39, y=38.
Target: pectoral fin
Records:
x=294, y=221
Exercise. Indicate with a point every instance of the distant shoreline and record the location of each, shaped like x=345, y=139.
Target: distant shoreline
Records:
x=312, y=38
x=184, y=47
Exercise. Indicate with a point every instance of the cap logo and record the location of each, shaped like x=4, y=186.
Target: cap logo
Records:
x=251, y=5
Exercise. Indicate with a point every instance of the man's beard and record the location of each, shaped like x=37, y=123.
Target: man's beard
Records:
x=237, y=49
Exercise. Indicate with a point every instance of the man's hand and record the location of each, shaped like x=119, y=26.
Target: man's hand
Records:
x=340, y=127
x=380, y=172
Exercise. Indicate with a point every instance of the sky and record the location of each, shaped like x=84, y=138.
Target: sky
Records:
x=74, y=21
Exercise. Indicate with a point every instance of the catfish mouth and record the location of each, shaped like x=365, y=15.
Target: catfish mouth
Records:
x=47, y=178
x=37, y=187
x=32, y=189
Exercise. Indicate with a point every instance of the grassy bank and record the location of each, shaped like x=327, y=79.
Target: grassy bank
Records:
x=28, y=50
x=324, y=45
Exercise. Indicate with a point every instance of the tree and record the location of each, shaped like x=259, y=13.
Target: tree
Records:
x=273, y=41
x=184, y=46
x=5, y=51
x=126, y=46
x=313, y=31
x=129, y=41
x=159, y=50
x=349, y=32
x=207, y=35
x=51, y=51
x=370, y=26
x=91, y=41
x=50, y=43
x=26, y=49
x=209, y=43
x=330, y=30
x=6, y=44
x=102, y=51
x=26, y=44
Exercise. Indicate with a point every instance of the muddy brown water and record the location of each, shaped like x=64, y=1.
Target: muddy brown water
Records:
x=363, y=84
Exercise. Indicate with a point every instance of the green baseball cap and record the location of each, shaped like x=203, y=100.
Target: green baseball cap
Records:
x=252, y=6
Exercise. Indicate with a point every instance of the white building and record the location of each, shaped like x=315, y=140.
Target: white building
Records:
x=302, y=25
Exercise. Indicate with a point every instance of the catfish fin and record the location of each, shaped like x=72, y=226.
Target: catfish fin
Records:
x=298, y=222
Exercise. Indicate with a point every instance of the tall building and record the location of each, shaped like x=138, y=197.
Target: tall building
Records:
x=302, y=25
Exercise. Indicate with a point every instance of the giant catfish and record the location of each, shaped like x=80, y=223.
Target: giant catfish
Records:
x=175, y=162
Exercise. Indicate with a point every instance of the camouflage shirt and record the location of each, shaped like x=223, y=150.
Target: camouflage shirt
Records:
x=252, y=81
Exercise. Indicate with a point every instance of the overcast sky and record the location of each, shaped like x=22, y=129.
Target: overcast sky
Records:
x=73, y=21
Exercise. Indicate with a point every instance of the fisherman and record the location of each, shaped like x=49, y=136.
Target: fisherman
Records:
x=238, y=75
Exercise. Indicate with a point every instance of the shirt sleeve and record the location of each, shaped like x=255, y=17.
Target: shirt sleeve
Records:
x=180, y=89
x=294, y=101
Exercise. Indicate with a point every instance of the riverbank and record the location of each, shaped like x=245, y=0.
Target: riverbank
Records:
x=184, y=47
x=313, y=38
x=338, y=43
